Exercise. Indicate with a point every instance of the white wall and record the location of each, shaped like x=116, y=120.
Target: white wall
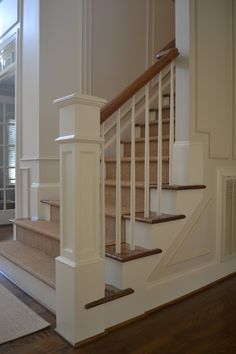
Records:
x=125, y=38
x=89, y=46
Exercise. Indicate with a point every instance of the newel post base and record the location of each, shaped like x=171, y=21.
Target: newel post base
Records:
x=80, y=268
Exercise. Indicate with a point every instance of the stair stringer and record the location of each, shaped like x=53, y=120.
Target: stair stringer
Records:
x=180, y=272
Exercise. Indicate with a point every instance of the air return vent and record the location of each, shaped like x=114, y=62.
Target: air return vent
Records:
x=229, y=217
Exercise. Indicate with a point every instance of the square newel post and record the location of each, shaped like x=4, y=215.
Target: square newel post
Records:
x=80, y=268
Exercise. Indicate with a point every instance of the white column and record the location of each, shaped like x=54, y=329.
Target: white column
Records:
x=80, y=271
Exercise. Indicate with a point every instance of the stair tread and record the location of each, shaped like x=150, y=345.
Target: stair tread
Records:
x=35, y=262
x=166, y=107
x=153, y=122
x=47, y=228
x=127, y=255
x=138, y=159
x=55, y=203
x=111, y=293
x=179, y=187
x=110, y=210
x=154, y=218
x=142, y=139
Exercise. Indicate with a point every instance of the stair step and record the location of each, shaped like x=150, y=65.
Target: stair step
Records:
x=43, y=227
x=154, y=218
x=111, y=211
x=165, y=111
x=42, y=235
x=111, y=293
x=53, y=208
x=177, y=187
x=33, y=261
x=153, y=127
x=110, y=195
x=139, y=169
x=140, y=146
x=127, y=255
x=137, y=159
x=54, y=203
x=142, y=139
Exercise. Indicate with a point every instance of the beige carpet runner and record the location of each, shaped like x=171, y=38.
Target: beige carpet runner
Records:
x=16, y=319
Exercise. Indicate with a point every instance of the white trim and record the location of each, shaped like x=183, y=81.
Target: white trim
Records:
x=76, y=98
x=23, y=205
x=76, y=138
x=221, y=173
x=38, y=158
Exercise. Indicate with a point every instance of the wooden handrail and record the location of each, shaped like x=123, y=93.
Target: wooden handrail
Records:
x=136, y=85
x=170, y=45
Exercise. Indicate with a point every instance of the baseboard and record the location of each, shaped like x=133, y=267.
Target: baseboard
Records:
x=171, y=289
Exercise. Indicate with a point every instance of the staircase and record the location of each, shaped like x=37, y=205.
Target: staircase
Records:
x=38, y=241
x=29, y=260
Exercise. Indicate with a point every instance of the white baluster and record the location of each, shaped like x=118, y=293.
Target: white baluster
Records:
x=118, y=186
x=159, y=147
x=103, y=172
x=171, y=136
x=147, y=155
x=132, y=179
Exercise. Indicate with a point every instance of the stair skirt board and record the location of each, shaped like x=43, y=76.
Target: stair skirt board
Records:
x=40, y=291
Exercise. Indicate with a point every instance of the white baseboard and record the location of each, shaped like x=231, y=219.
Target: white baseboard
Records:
x=179, y=285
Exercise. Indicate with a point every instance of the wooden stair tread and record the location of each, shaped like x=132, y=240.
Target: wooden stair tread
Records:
x=54, y=203
x=153, y=122
x=111, y=293
x=33, y=261
x=47, y=228
x=164, y=108
x=138, y=159
x=179, y=187
x=142, y=139
x=110, y=210
x=127, y=255
x=112, y=183
x=165, y=186
x=154, y=218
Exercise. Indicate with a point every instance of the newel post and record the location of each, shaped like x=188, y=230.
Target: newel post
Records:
x=80, y=268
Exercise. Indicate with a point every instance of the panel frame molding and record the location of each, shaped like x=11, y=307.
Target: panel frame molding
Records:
x=194, y=83
x=222, y=173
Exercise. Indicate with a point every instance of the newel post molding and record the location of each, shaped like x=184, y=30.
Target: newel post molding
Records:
x=80, y=268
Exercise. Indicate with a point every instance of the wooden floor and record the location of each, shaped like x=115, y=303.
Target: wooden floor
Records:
x=202, y=324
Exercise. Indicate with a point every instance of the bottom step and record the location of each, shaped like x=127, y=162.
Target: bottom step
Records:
x=33, y=261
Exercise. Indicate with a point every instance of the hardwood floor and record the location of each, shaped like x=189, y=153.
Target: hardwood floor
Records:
x=201, y=324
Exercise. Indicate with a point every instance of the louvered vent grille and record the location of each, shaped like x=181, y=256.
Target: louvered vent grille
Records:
x=229, y=224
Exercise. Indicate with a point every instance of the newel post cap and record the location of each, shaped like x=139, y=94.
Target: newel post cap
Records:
x=77, y=98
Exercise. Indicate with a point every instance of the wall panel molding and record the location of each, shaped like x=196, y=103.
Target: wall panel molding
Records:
x=211, y=85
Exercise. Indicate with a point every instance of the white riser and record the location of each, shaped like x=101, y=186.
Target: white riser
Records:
x=133, y=275
x=155, y=235
x=163, y=234
x=177, y=202
x=40, y=291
